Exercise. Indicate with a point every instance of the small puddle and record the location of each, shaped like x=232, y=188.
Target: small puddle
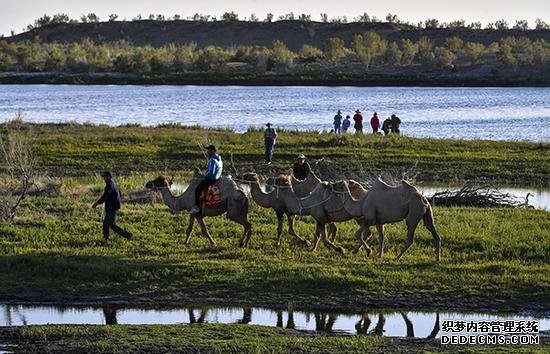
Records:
x=391, y=323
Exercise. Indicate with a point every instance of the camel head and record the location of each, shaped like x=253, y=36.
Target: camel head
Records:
x=251, y=177
x=158, y=183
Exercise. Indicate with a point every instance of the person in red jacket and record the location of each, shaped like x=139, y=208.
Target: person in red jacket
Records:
x=375, y=123
x=358, y=119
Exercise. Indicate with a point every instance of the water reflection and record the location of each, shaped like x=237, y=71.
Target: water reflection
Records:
x=411, y=324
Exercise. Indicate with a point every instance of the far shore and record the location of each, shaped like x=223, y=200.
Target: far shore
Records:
x=269, y=79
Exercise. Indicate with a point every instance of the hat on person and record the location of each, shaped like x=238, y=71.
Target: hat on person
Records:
x=339, y=112
x=211, y=147
x=393, y=115
x=106, y=174
x=268, y=124
x=301, y=156
x=357, y=111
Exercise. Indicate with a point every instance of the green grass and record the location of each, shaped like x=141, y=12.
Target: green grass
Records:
x=220, y=339
x=492, y=258
x=82, y=150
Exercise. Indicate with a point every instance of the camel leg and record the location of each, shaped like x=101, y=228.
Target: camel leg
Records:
x=240, y=216
x=326, y=241
x=380, y=229
x=362, y=243
x=279, y=228
x=205, y=232
x=411, y=228
x=291, y=218
x=189, y=229
x=429, y=224
x=316, y=238
x=332, y=231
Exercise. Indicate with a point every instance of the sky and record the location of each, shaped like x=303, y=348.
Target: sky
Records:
x=15, y=15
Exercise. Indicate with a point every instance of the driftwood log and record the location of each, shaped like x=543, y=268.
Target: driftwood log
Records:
x=478, y=195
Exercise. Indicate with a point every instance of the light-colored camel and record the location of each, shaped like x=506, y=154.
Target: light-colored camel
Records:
x=233, y=201
x=386, y=204
x=325, y=206
x=282, y=200
x=302, y=188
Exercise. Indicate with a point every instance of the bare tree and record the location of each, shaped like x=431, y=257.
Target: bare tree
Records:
x=20, y=169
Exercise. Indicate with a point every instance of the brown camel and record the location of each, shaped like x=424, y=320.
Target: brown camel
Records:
x=233, y=201
x=282, y=200
x=386, y=204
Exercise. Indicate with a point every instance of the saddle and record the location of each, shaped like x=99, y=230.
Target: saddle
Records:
x=211, y=197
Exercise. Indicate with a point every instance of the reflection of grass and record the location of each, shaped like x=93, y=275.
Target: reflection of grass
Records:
x=491, y=258
x=81, y=150
x=221, y=338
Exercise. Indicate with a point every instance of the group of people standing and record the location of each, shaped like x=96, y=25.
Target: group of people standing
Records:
x=390, y=125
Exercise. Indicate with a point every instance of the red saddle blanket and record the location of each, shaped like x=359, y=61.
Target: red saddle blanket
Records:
x=211, y=197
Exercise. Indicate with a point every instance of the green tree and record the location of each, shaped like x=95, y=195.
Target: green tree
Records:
x=308, y=51
x=443, y=57
x=454, y=44
x=425, y=47
x=212, y=58
x=369, y=47
x=334, y=49
x=521, y=25
x=230, y=17
x=281, y=53
x=506, y=55
x=394, y=55
x=409, y=50
x=473, y=51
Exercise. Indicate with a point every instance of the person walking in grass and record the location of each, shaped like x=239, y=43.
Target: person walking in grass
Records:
x=338, y=122
x=375, y=123
x=270, y=135
x=111, y=198
x=345, y=125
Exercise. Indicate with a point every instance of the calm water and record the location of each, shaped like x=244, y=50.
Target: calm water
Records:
x=394, y=323
x=467, y=113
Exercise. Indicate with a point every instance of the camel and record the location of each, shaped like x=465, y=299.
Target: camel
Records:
x=282, y=200
x=302, y=188
x=325, y=206
x=234, y=202
x=386, y=204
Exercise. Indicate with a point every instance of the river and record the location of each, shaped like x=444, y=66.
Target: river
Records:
x=460, y=113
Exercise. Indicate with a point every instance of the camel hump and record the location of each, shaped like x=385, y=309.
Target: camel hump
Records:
x=409, y=186
x=381, y=185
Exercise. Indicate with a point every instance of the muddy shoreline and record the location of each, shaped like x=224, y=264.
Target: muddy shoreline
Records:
x=345, y=304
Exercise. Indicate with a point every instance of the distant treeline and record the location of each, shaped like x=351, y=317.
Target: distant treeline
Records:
x=367, y=51
x=431, y=23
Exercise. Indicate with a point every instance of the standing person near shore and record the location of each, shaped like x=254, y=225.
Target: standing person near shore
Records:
x=111, y=198
x=375, y=123
x=270, y=135
x=386, y=126
x=337, y=122
x=395, y=122
x=301, y=168
x=358, y=119
x=345, y=125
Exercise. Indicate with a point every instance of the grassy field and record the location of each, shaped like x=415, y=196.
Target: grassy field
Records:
x=492, y=258
x=221, y=339
x=82, y=150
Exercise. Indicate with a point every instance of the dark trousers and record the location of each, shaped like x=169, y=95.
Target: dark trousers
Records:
x=205, y=183
x=109, y=222
x=269, y=150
